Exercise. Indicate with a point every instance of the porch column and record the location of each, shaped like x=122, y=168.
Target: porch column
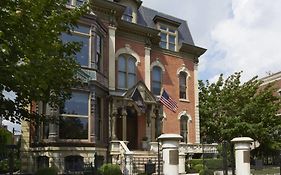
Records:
x=111, y=31
x=124, y=124
x=147, y=67
x=153, y=129
x=113, y=123
x=54, y=113
x=92, y=118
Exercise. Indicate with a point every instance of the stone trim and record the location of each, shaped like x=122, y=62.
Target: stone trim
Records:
x=127, y=50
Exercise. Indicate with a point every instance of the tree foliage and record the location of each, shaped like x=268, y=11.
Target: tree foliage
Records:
x=229, y=108
x=34, y=63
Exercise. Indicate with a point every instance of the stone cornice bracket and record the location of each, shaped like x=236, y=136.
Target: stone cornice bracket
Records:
x=148, y=43
x=112, y=18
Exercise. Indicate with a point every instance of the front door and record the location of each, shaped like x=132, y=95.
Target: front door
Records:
x=132, y=128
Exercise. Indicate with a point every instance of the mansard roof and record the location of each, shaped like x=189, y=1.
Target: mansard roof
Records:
x=147, y=16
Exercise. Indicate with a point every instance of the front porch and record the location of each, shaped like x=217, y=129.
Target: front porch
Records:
x=135, y=117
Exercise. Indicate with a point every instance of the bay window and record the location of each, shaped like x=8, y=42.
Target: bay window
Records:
x=91, y=52
x=74, y=118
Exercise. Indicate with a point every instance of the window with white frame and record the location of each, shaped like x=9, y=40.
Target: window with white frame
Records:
x=156, y=80
x=168, y=37
x=182, y=85
x=98, y=58
x=74, y=118
x=84, y=35
x=128, y=14
x=184, y=128
x=126, y=71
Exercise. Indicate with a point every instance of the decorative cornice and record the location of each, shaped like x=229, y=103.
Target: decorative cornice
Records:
x=195, y=50
x=166, y=21
x=138, y=2
x=149, y=33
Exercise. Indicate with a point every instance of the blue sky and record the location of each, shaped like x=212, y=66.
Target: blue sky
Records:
x=240, y=35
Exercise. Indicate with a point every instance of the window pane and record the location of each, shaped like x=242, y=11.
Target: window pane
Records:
x=156, y=73
x=131, y=65
x=183, y=76
x=163, y=37
x=82, y=29
x=121, y=80
x=156, y=88
x=98, y=44
x=128, y=14
x=131, y=80
x=172, y=47
x=83, y=55
x=172, y=39
x=122, y=64
x=163, y=45
x=73, y=128
x=77, y=105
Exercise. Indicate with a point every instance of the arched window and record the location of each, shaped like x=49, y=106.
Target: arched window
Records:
x=184, y=128
x=74, y=163
x=156, y=80
x=182, y=85
x=126, y=71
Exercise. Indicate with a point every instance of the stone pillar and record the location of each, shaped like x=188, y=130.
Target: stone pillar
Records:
x=153, y=129
x=113, y=123
x=124, y=124
x=170, y=153
x=196, y=94
x=111, y=31
x=182, y=155
x=53, y=131
x=242, y=154
x=128, y=168
x=92, y=118
x=147, y=67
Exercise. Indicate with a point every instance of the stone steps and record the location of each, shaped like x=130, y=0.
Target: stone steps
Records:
x=140, y=158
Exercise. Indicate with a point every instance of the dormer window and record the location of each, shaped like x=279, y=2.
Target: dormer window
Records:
x=168, y=32
x=168, y=38
x=128, y=15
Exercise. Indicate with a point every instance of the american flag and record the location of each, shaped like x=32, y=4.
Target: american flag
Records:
x=166, y=100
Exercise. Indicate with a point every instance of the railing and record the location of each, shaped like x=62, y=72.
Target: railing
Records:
x=93, y=75
x=122, y=156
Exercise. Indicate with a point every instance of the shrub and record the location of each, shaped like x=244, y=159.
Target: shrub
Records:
x=47, y=171
x=4, y=165
x=110, y=169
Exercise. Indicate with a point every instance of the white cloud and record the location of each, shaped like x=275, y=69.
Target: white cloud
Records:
x=250, y=39
x=239, y=34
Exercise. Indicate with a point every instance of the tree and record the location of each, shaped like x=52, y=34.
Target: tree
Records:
x=34, y=63
x=229, y=108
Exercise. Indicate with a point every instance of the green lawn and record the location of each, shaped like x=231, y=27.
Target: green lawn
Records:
x=270, y=170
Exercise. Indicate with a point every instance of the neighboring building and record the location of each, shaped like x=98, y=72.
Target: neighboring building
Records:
x=129, y=54
x=275, y=80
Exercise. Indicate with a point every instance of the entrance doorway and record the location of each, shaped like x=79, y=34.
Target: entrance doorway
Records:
x=132, y=128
